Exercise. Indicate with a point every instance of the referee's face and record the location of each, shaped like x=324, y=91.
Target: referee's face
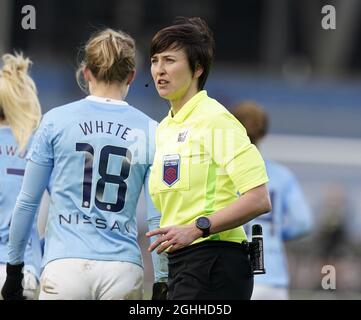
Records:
x=172, y=74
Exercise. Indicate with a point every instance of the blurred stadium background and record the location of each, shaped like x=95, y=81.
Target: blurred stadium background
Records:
x=272, y=51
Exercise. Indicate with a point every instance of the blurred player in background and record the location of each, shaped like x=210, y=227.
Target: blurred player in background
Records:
x=203, y=157
x=98, y=152
x=289, y=219
x=20, y=115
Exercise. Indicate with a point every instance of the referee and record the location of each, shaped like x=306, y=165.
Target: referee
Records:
x=207, y=179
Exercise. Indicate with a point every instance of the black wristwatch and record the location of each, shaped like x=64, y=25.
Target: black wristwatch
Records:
x=204, y=224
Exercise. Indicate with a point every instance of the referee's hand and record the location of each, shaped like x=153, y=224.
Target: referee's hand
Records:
x=174, y=237
x=13, y=289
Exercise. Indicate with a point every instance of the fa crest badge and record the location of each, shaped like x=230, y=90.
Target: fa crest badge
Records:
x=171, y=165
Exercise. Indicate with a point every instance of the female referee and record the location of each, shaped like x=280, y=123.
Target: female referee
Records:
x=20, y=114
x=203, y=158
x=97, y=152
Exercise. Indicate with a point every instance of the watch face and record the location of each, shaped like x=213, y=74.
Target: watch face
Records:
x=203, y=223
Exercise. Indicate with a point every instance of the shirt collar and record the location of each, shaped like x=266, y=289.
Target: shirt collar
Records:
x=187, y=108
x=107, y=100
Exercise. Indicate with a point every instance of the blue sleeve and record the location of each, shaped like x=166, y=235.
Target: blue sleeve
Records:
x=160, y=261
x=297, y=220
x=35, y=181
x=41, y=151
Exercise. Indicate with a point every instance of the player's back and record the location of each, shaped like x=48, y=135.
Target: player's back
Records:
x=100, y=150
x=11, y=175
x=12, y=166
x=287, y=201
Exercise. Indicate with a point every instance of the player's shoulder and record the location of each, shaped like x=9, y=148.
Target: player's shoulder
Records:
x=6, y=132
x=140, y=115
x=6, y=138
x=65, y=109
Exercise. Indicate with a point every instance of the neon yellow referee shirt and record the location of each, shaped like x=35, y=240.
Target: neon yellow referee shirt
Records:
x=203, y=159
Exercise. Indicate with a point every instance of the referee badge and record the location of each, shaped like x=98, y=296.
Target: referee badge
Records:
x=171, y=169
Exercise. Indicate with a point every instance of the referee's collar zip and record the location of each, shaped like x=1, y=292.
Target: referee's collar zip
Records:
x=187, y=108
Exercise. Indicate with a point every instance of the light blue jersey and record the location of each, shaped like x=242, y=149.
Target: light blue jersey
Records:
x=290, y=218
x=12, y=165
x=98, y=152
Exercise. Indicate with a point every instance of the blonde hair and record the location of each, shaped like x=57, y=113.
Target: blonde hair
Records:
x=254, y=119
x=19, y=102
x=109, y=55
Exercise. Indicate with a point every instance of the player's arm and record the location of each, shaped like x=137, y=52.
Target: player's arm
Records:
x=160, y=261
x=36, y=179
x=297, y=219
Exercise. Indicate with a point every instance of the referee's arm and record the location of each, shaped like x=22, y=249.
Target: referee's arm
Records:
x=250, y=205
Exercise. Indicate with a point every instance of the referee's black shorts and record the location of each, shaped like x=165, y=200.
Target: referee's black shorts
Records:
x=210, y=270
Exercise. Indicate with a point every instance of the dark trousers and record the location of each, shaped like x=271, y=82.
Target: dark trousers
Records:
x=210, y=270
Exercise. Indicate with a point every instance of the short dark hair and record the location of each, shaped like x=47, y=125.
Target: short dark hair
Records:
x=194, y=36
